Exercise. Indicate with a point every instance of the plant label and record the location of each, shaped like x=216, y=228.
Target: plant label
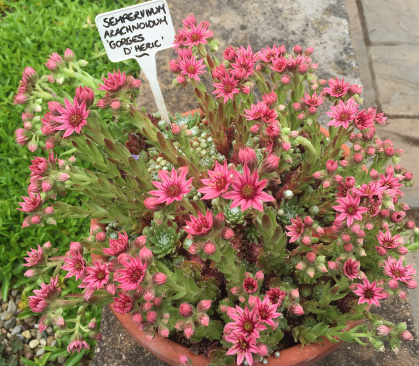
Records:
x=138, y=32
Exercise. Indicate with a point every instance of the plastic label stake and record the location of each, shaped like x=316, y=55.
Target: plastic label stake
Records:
x=139, y=31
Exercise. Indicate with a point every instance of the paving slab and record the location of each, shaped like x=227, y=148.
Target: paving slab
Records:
x=361, y=53
x=404, y=133
x=117, y=348
x=396, y=71
x=322, y=24
x=392, y=21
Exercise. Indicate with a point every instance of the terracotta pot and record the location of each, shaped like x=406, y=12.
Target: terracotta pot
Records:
x=169, y=351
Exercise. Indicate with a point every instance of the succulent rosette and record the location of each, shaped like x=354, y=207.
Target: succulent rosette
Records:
x=236, y=229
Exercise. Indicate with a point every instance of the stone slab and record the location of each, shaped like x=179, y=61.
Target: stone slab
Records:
x=405, y=135
x=392, y=21
x=397, y=76
x=322, y=24
x=361, y=53
x=117, y=348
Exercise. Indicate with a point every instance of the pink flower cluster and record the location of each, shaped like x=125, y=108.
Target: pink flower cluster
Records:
x=247, y=324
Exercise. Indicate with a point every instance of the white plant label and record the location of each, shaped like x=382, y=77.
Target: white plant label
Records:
x=138, y=32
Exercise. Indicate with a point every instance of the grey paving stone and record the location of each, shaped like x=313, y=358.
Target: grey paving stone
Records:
x=118, y=349
x=405, y=135
x=397, y=76
x=361, y=53
x=392, y=20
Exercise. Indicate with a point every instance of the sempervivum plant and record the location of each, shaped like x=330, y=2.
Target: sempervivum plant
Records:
x=242, y=229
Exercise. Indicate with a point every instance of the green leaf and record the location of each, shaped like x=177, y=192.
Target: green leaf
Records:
x=74, y=358
x=25, y=314
x=5, y=288
x=28, y=362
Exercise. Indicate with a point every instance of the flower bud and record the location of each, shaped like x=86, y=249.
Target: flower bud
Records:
x=204, y=319
x=294, y=294
x=209, y=247
x=298, y=50
x=270, y=164
x=159, y=278
x=186, y=310
x=383, y=330
x=411, y=284
x=145, y=254
x=69, y=55
x=406, y=336
x=296, y=309
x=204, y=305
x=101, y=237
x=188, y=330
x=151, y=317
x=381, y=250
x=76, y=247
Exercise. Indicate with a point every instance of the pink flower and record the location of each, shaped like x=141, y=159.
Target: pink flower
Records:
x=296, y=229
x=391, y=183
x=266, y=310
x=226, y=88
x=201, y=225
x=373, y=191
x=250, y=285
x=337, y=88
x=349, y=209
x=77, y=345
x=246, y=322
x=275, y=295
x=117, y=246
x=132, y=274
x=395, y=269
x=184, y=360
x=97, y=275
x=40, y=301
x=115, y=82
x=218, y=182
x=179, y=39
x=351, y=268
x=197, y=35
x=54, y=61
x=270, y=54
x=191, y=67
x=35, y=257
x=247, y=190
x=173, y=187
x=32, y=203
x=279, y=64
x=73, y=117
x=75, y=265
x=22, y=137
x=123, y=304
x=313, y=100
x=260, y=111
x=388, y=241
x=369, y=293
x=343, y=113
x=243, y=346
x=364, y=120
x=269, y=98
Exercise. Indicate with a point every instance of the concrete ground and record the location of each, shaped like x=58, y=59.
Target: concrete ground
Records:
x=385, y=37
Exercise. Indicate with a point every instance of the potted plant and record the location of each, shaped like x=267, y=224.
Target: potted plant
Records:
x=235, y=232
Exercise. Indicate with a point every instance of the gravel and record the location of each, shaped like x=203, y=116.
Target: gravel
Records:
x=26, y=332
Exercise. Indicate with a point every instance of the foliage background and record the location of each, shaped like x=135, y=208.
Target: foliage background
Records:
x=29, y=31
